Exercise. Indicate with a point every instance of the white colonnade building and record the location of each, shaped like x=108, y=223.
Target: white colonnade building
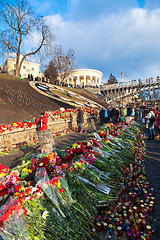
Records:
x=84, y=77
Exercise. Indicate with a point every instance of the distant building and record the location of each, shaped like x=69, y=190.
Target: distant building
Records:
x=84, y=77
x=27, y=68
x=2, y=69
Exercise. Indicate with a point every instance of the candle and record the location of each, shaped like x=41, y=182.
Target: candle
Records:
x=149, y=230
x=104, y=226
x=117, y=221
x=98, y=226
x=110, y=229
x=119, y=231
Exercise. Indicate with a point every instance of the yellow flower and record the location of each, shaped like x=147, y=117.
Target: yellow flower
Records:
x=21, y=188
x=78, y=163
x=2, y=174
x=58, y=184
x=98, y=178
x=74, y=145
x=24, y=170
x=78, y=146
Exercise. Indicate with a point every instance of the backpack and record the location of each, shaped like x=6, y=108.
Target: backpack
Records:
x=152, y=119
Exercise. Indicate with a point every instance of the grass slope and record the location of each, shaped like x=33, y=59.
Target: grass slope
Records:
x=19, y=101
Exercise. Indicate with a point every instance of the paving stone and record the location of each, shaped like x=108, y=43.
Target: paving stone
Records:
x=152, y=166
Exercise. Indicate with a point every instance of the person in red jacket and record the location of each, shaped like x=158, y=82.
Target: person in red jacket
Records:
x=43, y=120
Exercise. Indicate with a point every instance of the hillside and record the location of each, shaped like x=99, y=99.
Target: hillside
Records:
x=19, y=101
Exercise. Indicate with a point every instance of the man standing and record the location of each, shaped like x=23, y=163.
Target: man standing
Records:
x=151, y=120
x=80, y=120
x=101, y=115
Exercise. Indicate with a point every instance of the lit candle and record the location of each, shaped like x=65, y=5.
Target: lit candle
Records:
x=149, y=230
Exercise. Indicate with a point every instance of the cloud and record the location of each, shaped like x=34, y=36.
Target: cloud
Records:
x=119, y=42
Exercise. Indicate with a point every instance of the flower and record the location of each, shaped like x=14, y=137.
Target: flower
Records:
x=61, y=190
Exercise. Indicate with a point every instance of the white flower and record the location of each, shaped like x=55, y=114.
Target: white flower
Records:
x=44, y=214
x=34, y=189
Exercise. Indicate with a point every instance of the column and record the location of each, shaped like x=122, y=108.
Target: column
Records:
x=95, y=81
x=91, y=80
x=72, y=80
x=98, y=82
x=85, y=80
x=78, y=80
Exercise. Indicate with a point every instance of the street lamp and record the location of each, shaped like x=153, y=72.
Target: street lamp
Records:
x=123, y=74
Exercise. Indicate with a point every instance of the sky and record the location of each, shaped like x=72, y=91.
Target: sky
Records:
x=110, y=36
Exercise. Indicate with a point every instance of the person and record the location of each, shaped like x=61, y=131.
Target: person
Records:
x=129, y=111
x=43, y=121
x=113, y=115
x=105, y=115
x=101, y=115
x=158, y=123
x=137, y=113
x=150, y=120
x=121, y=114
x=109, y=113
x=80, y=120
x=117, y=114
x=125, y=111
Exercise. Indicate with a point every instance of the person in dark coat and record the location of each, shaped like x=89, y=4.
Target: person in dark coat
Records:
x=80, y=120
x=113, y=115
x=129, y=111
x=101, y=115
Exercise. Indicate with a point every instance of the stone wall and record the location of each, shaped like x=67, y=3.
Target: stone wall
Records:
x=20, y=135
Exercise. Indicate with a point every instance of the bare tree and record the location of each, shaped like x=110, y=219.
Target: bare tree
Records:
x=64, y=62
x=51, y=72
x=20, y=24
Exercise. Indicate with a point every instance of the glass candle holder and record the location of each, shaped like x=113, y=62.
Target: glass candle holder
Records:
x=139, y=224
x=143, y=224
x=98, y=227
x=151, y=208
x=104, y=226
x=117, y=221
x=109, y=214
x=110, y=229
x=149, y=230
x=127, y=205
x=119, y=231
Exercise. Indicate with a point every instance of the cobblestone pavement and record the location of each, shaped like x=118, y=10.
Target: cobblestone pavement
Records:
x=152, y=166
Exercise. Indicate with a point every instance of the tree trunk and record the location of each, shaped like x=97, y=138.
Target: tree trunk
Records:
x=17, y=71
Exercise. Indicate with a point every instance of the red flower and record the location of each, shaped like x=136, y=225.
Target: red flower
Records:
x=61, y=190
x=54, y=180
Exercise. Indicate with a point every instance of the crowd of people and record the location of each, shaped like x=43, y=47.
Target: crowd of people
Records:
x=148, y=116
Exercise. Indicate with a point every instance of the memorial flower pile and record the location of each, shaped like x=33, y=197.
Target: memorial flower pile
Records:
x=29, y=123
x=57, y=195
